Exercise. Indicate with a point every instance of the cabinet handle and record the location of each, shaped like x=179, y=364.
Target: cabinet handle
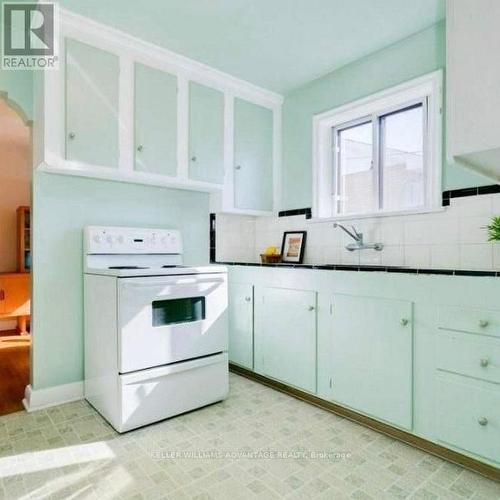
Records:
x=484, y=362
x=404, y=321
x=2, y=295
x=482, y=421
x=193, y=158
x=311, y=308
x=238, y=167
x=483, y=323
x=71, y=135
x=248, y=299
x=140, y=148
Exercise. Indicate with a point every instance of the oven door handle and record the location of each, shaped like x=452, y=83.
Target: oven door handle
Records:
x=185, y=281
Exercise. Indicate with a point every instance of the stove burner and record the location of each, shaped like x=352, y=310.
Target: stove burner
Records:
x=169, y=266
x=127, y=267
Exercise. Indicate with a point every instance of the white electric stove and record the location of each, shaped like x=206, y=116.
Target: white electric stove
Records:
x=155, y=331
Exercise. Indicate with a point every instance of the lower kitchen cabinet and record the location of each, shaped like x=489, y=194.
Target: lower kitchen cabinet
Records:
x=371, y=356
x=241, y=324
x=419, y=353
x=468, y=415
x=285, y=336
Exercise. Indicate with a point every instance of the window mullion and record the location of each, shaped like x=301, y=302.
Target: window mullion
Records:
x=335, y=189
x=376, y=157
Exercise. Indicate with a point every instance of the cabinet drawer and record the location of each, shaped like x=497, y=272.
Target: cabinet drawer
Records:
x=469, y=355
x=469, y=416
x=483, y=321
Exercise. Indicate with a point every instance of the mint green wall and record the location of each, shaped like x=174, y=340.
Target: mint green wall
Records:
x=19, y=88
x=410, y=58
x=62, y=206
x=17, y=84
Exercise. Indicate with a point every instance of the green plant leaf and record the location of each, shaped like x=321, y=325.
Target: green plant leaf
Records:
x=494, y=229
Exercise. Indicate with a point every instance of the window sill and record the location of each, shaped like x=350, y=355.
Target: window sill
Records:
x=396, y=213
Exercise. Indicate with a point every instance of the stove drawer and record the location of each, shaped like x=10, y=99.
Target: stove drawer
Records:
x=159, y=393
x=163, y=320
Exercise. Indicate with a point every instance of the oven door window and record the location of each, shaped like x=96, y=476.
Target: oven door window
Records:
x=175, y=311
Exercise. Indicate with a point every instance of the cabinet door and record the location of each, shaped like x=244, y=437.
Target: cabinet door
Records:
x=241, y=324
x=16, y=294
x=285, y=336
x=472, y=78
x=253, y=156
x=468, y=415
x=371, y=361
x=91, y=105
x=206, y=134
x=155, y=112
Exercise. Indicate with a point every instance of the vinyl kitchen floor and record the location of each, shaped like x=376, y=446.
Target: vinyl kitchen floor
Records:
x=70, y=452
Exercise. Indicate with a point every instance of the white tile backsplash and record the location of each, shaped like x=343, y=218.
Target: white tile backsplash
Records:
x=473, y=229
x=496, y=256
x=473, y=205
x=454, y=238
x=445, y=256
x=477, y=256
x=392, y=255
x=418, y=256
x=495, y=201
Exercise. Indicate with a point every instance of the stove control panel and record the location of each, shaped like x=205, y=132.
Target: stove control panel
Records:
x=129, y=240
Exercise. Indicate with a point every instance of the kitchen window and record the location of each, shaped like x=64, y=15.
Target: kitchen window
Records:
x=380, y=155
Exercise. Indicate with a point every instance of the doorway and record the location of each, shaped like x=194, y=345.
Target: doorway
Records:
x=15, y=255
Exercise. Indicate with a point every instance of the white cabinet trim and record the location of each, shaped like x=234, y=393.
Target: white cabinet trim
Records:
x=228, y=192
x=182, y=127
x=126, y=83
x=131, y=50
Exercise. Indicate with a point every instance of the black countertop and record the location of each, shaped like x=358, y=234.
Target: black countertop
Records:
x=368, y=268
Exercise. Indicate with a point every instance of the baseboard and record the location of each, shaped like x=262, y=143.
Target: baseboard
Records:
x=440, y=451
x=38, y=399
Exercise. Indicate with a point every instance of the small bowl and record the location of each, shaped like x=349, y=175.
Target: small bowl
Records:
x=270, y=259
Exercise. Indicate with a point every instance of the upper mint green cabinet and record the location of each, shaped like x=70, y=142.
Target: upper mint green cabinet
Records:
x=285, y=336
x=91, y=105
x=129, y=111
x=371, y=365
x=155, y=121
x=472, y=83
x=253, y=156
x=241, y=324
x=206, y=134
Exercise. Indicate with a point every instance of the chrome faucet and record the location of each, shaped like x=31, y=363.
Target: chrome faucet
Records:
x=358, y=238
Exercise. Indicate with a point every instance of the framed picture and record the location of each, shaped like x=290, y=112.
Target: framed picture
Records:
x=293, y=246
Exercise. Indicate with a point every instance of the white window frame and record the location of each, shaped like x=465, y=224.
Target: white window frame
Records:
x=427, y=90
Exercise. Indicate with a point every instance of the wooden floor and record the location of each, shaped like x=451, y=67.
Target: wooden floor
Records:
x=14, y=371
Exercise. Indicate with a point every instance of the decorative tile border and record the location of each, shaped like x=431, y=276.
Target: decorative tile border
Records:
x=474, y=191
x=447, y=195
x=212, y=239
x=297, y=211
x=364, y=269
